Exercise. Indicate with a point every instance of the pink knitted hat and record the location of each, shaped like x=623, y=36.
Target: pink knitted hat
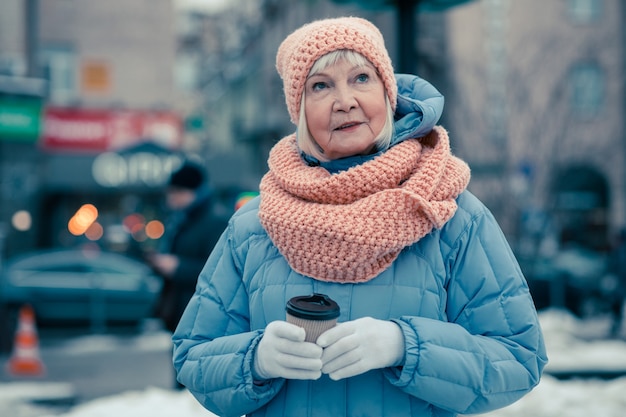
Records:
x=299, y=51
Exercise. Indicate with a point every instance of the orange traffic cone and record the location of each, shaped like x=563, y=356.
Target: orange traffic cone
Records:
x=25, y=359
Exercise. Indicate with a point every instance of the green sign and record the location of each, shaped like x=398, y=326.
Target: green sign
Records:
x=20, y=118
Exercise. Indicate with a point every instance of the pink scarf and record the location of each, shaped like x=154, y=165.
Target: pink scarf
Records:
x=350, y=226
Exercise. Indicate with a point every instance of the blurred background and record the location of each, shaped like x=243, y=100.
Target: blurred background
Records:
x=101, y=101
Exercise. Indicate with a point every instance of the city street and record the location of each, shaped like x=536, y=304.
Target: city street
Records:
x=80, y=366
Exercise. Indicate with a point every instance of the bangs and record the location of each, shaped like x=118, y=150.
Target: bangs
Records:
x=331, y=58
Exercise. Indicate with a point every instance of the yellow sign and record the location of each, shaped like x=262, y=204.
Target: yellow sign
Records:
x=95, y=77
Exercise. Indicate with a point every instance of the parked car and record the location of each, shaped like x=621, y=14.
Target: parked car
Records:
x=79, y=286
x=575, y=278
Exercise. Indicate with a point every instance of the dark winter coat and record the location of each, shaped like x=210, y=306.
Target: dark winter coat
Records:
x=195, y=235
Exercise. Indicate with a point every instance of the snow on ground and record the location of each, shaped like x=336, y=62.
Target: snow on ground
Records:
x=572, y=346
x=552, y=398
x=153, y=402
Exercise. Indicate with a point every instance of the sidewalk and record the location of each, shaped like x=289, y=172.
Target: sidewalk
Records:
x=85, y=367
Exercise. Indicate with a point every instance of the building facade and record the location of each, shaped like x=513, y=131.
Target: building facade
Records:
x=537, y=111
x=82, y=83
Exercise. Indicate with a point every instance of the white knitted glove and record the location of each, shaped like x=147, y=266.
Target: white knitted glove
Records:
x=283, y=353
x=354, y=347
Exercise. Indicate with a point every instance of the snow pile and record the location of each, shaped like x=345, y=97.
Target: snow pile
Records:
x=153, y=402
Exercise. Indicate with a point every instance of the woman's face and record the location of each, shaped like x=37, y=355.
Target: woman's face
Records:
x=345, y=109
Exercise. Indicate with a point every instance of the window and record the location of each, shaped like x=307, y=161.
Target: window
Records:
x=59, y=68
x=187, y=71
x=12, y=65
x=584, y=11
x=587, y=90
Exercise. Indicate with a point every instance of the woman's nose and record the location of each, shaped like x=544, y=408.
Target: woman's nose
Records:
x=345, y=100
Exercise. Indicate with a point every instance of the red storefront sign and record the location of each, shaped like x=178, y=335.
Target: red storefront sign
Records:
x=95, y=130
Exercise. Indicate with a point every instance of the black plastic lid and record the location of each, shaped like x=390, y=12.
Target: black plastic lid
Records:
x=313, y=307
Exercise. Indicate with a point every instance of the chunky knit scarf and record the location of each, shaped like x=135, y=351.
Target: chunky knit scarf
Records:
x=350, y=226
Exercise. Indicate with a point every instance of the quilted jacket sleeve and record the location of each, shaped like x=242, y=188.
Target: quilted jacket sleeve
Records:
x=491, y=352
x=214, y=333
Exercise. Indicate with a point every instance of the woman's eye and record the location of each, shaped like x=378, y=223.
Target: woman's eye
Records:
x=362, y=78
x=318, y=86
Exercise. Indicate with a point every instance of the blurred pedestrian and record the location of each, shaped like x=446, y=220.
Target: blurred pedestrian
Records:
x=191, y=232
x=366, y=204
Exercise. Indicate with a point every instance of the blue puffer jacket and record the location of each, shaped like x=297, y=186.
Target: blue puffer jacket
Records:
x=472, y=338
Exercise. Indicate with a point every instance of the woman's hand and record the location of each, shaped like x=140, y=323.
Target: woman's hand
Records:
x=357, y=346
x=283, y=353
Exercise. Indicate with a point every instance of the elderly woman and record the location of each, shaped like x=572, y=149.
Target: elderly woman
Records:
x=365, y=204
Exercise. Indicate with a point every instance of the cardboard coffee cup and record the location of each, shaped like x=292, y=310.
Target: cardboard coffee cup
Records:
x=316, y=313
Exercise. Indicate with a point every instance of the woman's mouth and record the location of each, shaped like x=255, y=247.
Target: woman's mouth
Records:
x=348, y=125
